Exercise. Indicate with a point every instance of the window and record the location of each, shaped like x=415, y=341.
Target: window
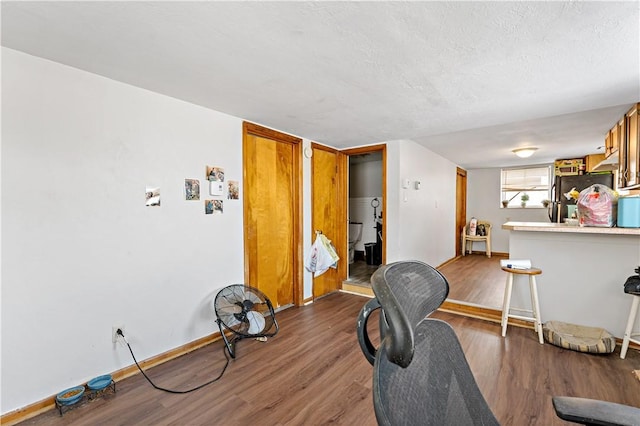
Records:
x=525, y=187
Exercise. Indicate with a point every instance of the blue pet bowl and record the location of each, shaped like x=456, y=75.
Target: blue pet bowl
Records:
x=99, y=382
x=70, y=396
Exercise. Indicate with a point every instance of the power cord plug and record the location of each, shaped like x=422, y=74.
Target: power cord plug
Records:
x=120, y=333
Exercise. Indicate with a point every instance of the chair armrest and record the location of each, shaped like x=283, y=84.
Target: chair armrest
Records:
x=595, y=412
x=366, y=345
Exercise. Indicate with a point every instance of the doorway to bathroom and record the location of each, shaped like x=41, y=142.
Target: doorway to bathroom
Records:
x=366, y=191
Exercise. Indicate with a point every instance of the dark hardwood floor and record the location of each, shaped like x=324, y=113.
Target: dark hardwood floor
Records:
x=477, y=279
x=360, y=272
x=313, y=373
x=474, y=278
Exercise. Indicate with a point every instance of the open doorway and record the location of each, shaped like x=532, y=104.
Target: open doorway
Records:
x=365, y=212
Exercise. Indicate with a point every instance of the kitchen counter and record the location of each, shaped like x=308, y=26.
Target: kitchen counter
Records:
x=564, y=228
x=583, y=271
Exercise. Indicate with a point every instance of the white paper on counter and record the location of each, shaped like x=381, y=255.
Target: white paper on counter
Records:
x=515, y=263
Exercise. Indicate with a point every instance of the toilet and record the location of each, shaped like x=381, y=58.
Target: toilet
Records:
x=355, y=233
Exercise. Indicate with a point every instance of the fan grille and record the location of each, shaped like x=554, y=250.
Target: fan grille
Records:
x=244, y=310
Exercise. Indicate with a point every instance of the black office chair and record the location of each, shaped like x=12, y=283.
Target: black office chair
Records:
x=437, y=388
x=421, y=375
x=401, y=284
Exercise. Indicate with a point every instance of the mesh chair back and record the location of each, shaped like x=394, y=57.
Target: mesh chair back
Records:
x=418, y=289
x=436, y=388
x=407, y=292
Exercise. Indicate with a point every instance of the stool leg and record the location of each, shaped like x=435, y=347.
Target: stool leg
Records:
x=630, y=323
x=506, y=303
x=535, y=307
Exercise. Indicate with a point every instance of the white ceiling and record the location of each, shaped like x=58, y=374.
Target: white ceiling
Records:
x=469, y=80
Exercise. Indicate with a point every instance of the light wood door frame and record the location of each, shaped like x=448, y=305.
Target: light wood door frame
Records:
x=296, y=191
x=461, y=207
x=339, y=228
x=382, y=148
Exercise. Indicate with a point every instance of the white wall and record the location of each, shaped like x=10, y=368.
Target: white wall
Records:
x=360, y=210
x=81, y=252
x=483, y=202
x=306, y=220
x=365, y=179
x=421, y=223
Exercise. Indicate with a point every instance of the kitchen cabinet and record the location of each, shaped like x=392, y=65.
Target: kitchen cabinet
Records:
x=629, y=150
x=613, y=138
x=610, y=141
x=622, y=150
x=592, y=160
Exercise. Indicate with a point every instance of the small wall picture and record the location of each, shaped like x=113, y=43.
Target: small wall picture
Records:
x=215, y=174
x=233, y=190
x=208, y=206
x=217, y=206
x=153, y=196
x=191, y=189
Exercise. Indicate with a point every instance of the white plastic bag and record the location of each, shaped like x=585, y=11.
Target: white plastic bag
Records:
x=597, y=206
x=321, y=257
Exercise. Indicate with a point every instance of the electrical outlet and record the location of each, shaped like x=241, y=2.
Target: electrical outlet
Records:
x=114, y=332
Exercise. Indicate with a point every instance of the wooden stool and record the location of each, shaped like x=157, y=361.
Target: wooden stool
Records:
x=628, y=333
x=535, y=308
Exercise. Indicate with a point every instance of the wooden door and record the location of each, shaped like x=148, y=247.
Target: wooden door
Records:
x=328, y=211
x=272, y=225
x=461, y=207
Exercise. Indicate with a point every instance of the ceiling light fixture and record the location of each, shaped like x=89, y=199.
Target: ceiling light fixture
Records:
x=524, y=152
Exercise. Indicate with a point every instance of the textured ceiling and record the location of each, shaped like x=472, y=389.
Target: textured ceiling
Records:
x=469, y=80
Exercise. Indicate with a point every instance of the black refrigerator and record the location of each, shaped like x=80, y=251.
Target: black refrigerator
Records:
x=564, y=184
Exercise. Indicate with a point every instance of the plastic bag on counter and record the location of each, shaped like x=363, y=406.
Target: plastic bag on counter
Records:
x=597, y=206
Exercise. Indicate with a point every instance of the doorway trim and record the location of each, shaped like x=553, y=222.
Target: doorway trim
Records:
x=359, y=151
x=296, y=193
x=461, y=207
